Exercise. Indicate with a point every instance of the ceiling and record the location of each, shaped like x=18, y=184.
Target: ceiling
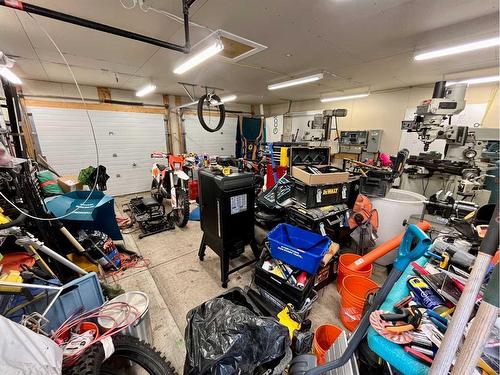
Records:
x=359, y=44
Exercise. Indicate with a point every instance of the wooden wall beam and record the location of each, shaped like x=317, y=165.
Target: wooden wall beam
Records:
x=93, y=106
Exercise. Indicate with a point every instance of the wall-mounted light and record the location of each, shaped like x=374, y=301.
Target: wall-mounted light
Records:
x=345, y=97
x=461, y=48
x=295, y=82
x=145, y=90
x=476, y=81
x=10, y=76
x=198, y=58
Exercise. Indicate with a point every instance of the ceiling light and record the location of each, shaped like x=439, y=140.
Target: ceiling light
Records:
x=459, y=49
x=336, y=98
x=476, y=81
x=146, y=90
x=295, y=82
x=201, y=56
x=229, y=98
x=9, y=75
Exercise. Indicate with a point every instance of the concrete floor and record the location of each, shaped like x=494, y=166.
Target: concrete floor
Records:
x=176, y=281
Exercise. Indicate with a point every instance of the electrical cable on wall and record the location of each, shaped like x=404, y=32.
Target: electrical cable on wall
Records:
x=91, y=127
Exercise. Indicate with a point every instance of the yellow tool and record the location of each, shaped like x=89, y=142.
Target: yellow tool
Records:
x=11, y=277
x=445, y=260
x=226, y=171
x=285, y=319
x=3, y=219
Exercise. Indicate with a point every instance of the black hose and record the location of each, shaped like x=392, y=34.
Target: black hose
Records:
x=222, y=114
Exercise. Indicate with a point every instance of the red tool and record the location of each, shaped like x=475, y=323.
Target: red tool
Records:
x=383, y=249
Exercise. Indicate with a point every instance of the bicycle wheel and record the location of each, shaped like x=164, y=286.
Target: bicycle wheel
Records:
x=213, y=114
x=130, y=354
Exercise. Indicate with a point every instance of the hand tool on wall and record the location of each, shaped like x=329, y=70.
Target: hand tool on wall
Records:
x=465, y=305
x=413, y=246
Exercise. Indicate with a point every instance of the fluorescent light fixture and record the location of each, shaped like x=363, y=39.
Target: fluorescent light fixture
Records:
x=201, y=56
x=295, y=82
x=336, y=98
x=229, y=98
x=486, y=43
x=476, y=81
x=146, y=90
x=9, y=75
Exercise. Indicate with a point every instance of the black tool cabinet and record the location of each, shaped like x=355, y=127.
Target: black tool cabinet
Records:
x=227, y=217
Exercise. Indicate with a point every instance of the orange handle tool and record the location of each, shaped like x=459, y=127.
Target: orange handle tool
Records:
x=383, y=249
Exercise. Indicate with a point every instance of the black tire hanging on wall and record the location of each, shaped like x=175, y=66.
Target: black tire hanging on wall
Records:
x=127, y=348
x=222, y=113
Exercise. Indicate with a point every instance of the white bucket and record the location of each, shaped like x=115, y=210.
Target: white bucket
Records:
x=393, y=209
x=142, y=327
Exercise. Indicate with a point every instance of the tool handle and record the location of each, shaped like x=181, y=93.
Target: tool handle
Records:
x=393, y=317
x=383, y=249
x=489, y=245
x=410, y=251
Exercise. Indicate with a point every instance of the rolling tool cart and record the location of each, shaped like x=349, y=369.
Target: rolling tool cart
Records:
x=227, y=217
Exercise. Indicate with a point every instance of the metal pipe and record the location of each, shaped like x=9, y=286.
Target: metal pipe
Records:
x=34, y=9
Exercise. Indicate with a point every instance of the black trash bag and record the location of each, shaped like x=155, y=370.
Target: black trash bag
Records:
x=223, y=338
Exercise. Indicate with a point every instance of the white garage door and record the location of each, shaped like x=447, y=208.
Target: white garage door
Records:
x=198, y=140
x=125, y=141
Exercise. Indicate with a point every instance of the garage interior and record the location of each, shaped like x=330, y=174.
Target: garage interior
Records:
x=249, y=187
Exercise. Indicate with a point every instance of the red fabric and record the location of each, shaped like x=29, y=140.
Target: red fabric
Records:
x=48, y=182
x=280, y=171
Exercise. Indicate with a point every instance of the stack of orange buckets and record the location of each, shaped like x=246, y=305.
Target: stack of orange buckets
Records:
x=354, y=287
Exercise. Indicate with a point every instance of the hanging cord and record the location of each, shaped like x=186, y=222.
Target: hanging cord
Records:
x=129, y=316
x=91, y=127
x=146, y=8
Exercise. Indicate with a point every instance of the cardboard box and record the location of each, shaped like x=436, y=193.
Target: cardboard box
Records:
x=319, y=179
x=69, y=183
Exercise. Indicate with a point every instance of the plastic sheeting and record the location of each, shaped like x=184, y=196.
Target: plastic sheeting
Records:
x=224, y=338
x=25, y=352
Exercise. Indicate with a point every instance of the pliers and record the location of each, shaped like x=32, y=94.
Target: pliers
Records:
x=411, y=317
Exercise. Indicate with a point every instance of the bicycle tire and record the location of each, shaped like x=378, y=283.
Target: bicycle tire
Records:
x=127, y=347
x=222, y=116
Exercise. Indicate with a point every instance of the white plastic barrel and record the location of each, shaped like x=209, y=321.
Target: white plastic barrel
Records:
x=393, y=209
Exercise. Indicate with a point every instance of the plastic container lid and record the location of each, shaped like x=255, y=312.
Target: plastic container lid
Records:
x=137, y=299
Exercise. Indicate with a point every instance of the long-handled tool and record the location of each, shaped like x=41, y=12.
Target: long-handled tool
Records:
x=383, y=249
x=480, y=329
x=413, y=246
x=463, y=310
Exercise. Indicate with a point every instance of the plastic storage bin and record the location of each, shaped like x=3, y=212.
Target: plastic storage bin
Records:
x=312, y=196
x=280, y=288
x=375, y=186
x=82, y=294
x=298, y=247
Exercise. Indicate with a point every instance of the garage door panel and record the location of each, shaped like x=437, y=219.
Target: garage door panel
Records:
x=123, y=138
x=200, y=141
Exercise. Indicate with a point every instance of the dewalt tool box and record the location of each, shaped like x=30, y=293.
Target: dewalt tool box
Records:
x=312, y=196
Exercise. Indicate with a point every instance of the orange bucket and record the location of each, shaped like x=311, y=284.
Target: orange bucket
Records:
x=355, y=289
x=324, y=337
x=344, y=261
x=83, y=327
